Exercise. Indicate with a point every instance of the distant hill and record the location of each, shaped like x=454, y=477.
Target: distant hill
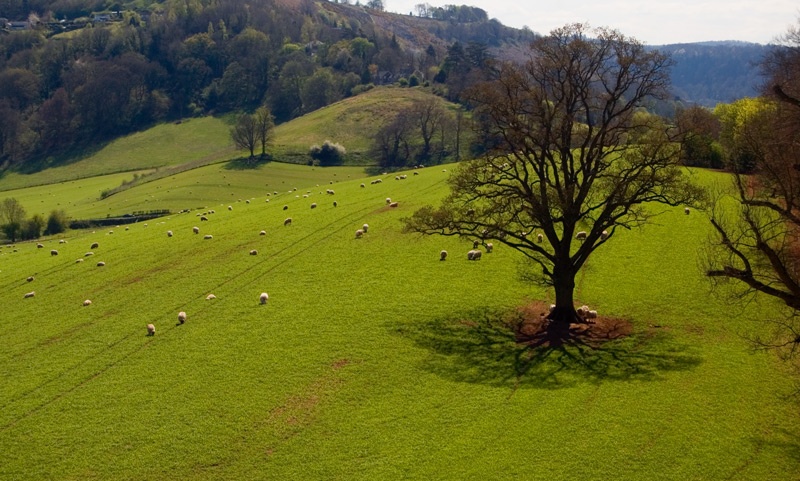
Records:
x=715, y=72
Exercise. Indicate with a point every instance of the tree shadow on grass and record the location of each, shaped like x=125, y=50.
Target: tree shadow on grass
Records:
x=482, y=348
x=247, y=163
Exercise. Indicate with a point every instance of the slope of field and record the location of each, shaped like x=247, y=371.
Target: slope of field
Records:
x=372, y=359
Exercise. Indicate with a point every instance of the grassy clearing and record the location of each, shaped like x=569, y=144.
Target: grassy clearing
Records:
x=360, y=366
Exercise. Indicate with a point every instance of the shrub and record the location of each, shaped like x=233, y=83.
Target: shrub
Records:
x=32, y=228
x=56, y=222
x=329, y=154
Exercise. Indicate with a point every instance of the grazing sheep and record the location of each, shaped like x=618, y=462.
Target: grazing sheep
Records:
x=288, y=221
x=182, y=317
x=604, y=235
x=314, y=205
x=196, y=230
x=94, y=245
x=203, y=218
x=362, y=186
x=335, y=204
x=359, y=234
x=30, y=294
x=151, y=330
x=264, y=297
x=208, y=236
x=87, y=302
x=416, y=173
x=443, y=255
x=474, y=255
x=305, y=196
x=78, y=261
x=62, y=241
x=540, y=238
x=388, y=200
x=263, y=232
x=393, y=204
x=110, y=232
x=403, y=177
x=101, y=264
x=285, y=207
x=30, y=279
x=169, y=233
x=365, y=228
x=581, y=236
x=88, y=254
x=489, y=248
x=253, y=252
x=230, y=207
x=210, y=296
x=591, y=314
x=39, y=246
x=53, y=252
x=475, y=244
x=246, y=201
x=686, y=210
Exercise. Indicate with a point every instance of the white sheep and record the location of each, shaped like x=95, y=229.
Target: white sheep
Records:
x=475, y=244
x=686, y=210
x=288, y=221
x=151, y=330
x=182, y=317
x=87, y=302
x=591, y=314
x=39, y=246
x=30, y=279
x=253, y=252
x=62, y=241
x=210, y=297
x=53, y=252
x=489, y=247
x=393, y=204
x=94, y=245
x=388, y=200
x=314, y=205
x=230, y=207
x=474, y=255
x=580, y=312
x=365, y=227
x=78, y=261
x=101, y=264
x=335, y=204
x=30, y=294
x=208, y=236
x=604, y=235
x=203, y=218
x=263, y=232
x=88, y=254
x=359, y=234
x=196, y=230
x=169, y=233
x=264, y=297
x=443, y=255
x=581, y=236
x=362, y=186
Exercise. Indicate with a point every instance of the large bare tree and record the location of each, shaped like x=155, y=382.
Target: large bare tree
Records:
x=570, y=156
x=758, y=235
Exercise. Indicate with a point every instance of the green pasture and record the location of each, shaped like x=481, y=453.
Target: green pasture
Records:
x=201, y=141
x=372, y=359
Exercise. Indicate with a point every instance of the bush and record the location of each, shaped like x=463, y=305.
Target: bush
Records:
x=328, y=154
x=56, y=222
x=32, y=228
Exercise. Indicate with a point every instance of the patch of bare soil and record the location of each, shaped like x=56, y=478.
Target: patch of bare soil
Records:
x=531, y=328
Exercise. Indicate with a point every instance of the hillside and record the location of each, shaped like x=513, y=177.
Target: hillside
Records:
x=372, y=359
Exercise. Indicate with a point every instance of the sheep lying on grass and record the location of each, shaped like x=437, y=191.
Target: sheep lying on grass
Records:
x=253, y=252
x=87, y=302
x=314, y=205
x=359, y=234
x=101, y=264
x=30, y=294
x=151, y=330
x=263, y=298
x=78, y=261
x=30, y=279
x=169, y=233
x=210, y=297
x=181, y=317
x=263, y=232
x=88, y=254
x=393, y=204
x=208, y=236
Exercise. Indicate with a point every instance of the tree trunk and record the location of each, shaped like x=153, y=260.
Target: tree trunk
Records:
x=564, y=313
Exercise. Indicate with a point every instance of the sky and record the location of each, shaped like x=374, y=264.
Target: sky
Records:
x=653, y=23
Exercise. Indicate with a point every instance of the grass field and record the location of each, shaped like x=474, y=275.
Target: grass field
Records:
x=372, y=359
